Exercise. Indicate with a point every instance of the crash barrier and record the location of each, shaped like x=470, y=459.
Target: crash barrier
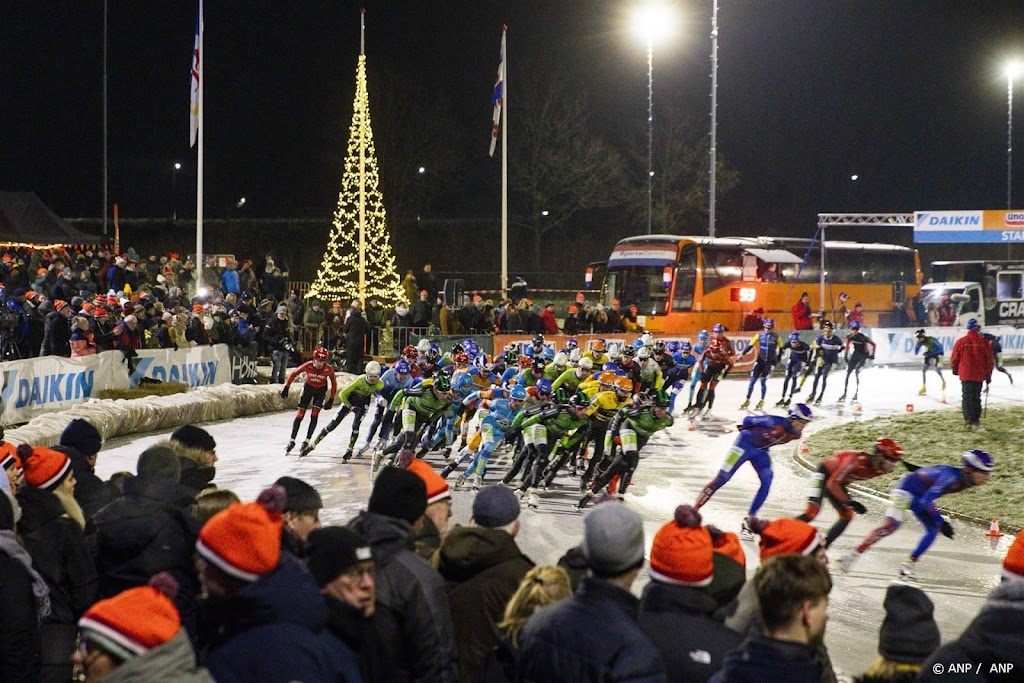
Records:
x=36, y=386
x=445, y=342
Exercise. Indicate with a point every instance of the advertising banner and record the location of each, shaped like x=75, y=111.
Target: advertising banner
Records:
x=897, y=345
x=243, y=364
x=968, y=226
x=43, y=385
x=199, y=366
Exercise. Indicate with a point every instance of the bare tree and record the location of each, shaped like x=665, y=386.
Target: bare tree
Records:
x=557, y=167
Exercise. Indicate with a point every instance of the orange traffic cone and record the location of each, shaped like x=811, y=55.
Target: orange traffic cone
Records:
x=910, y=407
x=691, y=428
x=804, y=448
x=993, y=529
x=857, y=408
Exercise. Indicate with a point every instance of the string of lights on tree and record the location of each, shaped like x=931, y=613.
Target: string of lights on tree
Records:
x=339, y=273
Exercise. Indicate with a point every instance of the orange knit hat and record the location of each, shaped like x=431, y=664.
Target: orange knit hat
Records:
x=1013, y=565
x=437, y=487
x=244, y=540
x=682, y=551
x=44, y=468
x=9, y=456
x=727, y=543
x=134, y=621
x=785, y=536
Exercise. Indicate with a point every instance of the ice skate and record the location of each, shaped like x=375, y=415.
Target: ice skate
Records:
x=854, y=399
x=347, y=456
x=841, y=398
x=533, y=501
x=364, y=449
x=585, y=500
x=746, y=533
x=306, y=448
x=922, y=391
x=745, y=404
x=907, y=570
x=448, y=469
x=475, y=483
x=688, y=408
x=846, y=561
x=943, y=385
x=760, y=405
x=817, y=401
x=458, y=482
x=780, y=403
x=289, y=447
x=446, y=453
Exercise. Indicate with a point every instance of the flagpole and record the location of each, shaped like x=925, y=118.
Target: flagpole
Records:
x=504, y=165
x=362, y=176
x=199, y=163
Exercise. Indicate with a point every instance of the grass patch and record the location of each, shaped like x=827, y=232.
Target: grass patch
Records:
x=163, y=389
x=937, y=437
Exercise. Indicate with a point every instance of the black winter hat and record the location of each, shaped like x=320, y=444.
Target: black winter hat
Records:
x=82, y=436
x=399, y=493
x=333, y=549
x=159, y=463
x=301, y=496
x=909, y=633
x=194, y=437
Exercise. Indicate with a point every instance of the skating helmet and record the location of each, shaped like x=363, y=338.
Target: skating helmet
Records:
x=457, y=347
x=511, y=358
x=517, y=393
x=794, y=337
x=544, y=387
x=423, y=345
x=538, y=340
x=610, y=367
x=614, y=352
x=432, y=356
x=460, y=358
x=597, y=345
x=685, y=347
x=703, y=336
x=628, y=352
x=471, y=347
x=920, y=334
x=435, y=346
x=889, y=449
x=768, y=324
x=572, y=344
x=575, y=356
x=464, y=382
x=828, y=325
x=662, y=399
x=372, y=370
x=801, y=411
x=660, y=347
x=647, y=339
x=548, y=353
x=525, y=362
x=586, y=364
x=718, y=328
x=320, y=353
x=539, y=364
x=624, y=385
x=644, y=352
x=854, y=325
x=467, y=342
x=979, y=460
x=561, y=360
x=579, y=400
x=972, y=324
x=402, y=367
x=442, y=383
x=637, y=343
x=607, y=378
x=410, y=351
x=511, y=348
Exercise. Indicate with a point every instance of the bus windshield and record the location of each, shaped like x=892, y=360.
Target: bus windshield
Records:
x=640, y=285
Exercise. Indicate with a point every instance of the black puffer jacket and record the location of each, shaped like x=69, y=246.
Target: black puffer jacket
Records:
x=593, y=636
x=413, y=617
x=91, y=492
x=679, y=621
x=148, y=530
x=482, y=569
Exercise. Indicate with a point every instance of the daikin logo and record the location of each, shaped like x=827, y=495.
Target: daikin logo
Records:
x=1015, y=217
x=954, y=220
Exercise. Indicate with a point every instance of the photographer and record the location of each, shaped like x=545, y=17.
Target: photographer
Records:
x=14, y=327
x=127, y=339
x=280, y=342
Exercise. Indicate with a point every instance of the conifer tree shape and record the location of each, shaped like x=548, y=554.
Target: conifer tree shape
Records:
x=355, y=268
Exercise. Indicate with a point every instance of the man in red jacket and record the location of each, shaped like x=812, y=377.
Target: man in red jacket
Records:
x=972, y=361
x=802, y=313
x=547, y=316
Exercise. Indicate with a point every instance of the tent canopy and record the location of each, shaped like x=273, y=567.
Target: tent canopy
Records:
x=26, y=222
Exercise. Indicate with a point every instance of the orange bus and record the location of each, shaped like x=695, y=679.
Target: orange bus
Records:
x=683, y=284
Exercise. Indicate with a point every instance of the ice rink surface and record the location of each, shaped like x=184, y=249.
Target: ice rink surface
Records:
x=673, y=468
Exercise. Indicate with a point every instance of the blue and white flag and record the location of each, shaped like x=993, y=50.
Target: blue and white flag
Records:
x=498, y=97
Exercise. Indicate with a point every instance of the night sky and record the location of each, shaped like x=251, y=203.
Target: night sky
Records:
x=909, y=95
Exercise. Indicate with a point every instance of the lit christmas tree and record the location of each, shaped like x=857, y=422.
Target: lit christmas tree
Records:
x=359, y=262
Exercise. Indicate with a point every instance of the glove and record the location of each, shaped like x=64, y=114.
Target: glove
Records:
x=857, y=507
x=820, y=363
x=946, y=529
x=284, y=393
x=329, y=403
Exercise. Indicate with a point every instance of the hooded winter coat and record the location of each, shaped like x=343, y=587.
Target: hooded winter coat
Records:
x=593, y=636
x=767, y=660
x=268, y=632
x=482, y=569
x=413, y=617
x=352, y=645
x=172, y=662
x=195, y=474
x=679, y=621
x=148, y=530
x=995, y=636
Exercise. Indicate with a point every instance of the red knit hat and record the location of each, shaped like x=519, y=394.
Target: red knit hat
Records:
x=134, y=621
x=682, y=552
x=785, y=536
x=727, y=543
x=1013, y=565
x=59, y=304
x=197, y=308
x=98, y=311
x=437, y=487
x=244, y=540
x=44, y=468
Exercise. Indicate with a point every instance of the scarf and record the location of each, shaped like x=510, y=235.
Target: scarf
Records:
x=9, y=544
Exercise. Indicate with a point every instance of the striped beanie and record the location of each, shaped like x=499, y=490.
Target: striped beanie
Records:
x=437, y=487
x=786, y=536
x=44, y=468
x=134, y=621
x=682, y=550
x=244, y=541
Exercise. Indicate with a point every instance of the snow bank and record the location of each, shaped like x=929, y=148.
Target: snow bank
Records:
x=123, y=417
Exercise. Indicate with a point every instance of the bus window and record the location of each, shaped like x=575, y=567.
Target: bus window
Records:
x=1010, y=286
x=686, y=279
x=722, y=266
x=640, y=285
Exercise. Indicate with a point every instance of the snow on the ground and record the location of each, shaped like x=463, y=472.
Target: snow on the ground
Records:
x=675, y=466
